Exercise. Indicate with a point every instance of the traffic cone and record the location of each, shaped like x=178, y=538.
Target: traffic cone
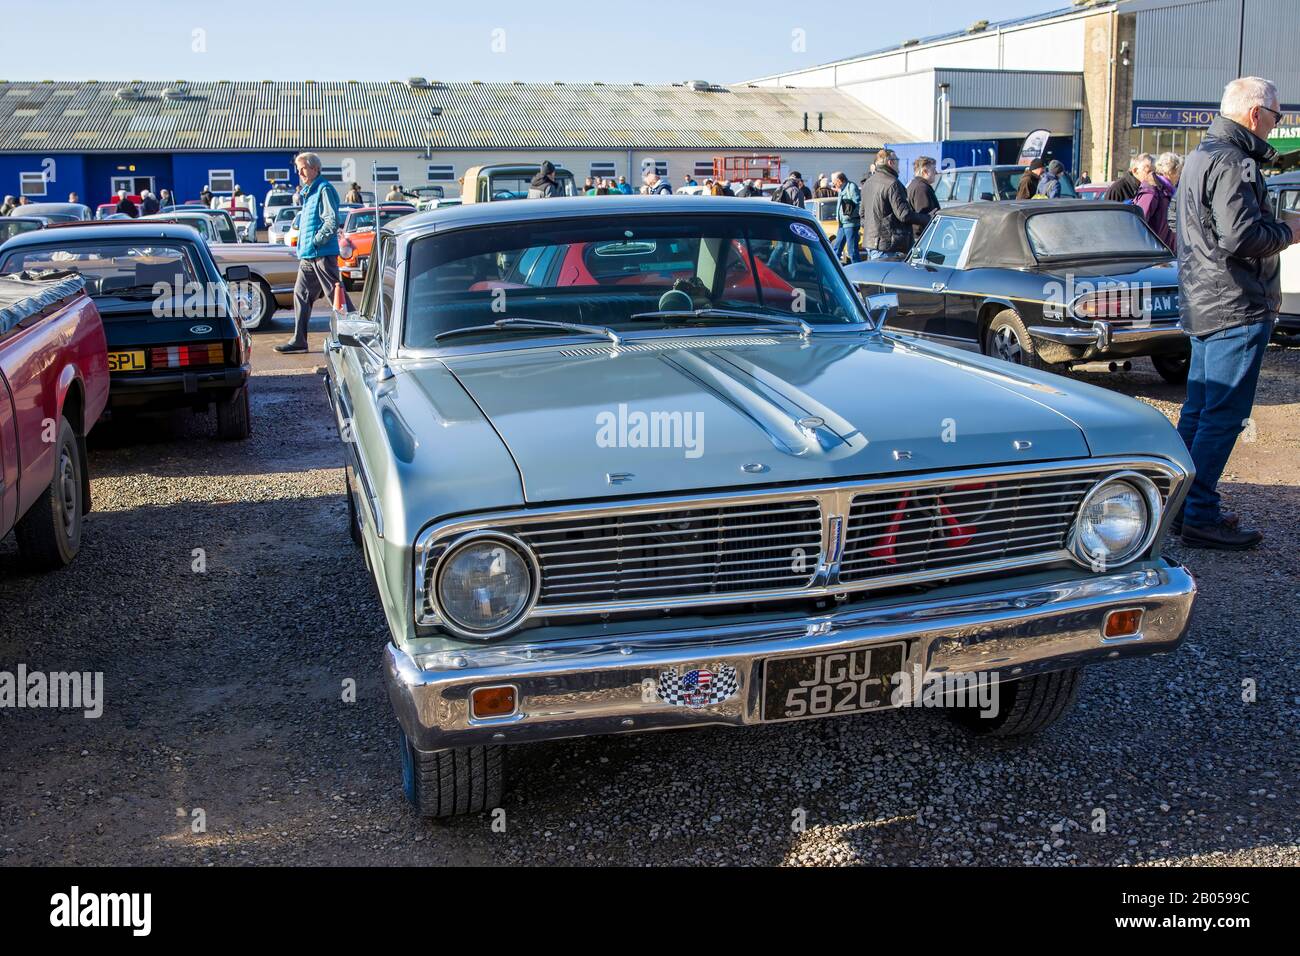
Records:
x=340, y=300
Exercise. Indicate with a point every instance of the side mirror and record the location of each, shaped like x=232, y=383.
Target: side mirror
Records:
x=881, y=307
x=238, y=273
x=356, y=332
x=986, y=197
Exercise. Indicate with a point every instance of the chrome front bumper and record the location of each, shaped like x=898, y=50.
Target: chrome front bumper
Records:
x=606, y=685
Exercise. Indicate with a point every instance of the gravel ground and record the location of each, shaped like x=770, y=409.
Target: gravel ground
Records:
x=224, y=699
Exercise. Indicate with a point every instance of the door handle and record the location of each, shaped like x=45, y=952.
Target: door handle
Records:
x=937, y=286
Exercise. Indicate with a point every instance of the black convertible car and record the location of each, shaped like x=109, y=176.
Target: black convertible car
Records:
x=1039, y=282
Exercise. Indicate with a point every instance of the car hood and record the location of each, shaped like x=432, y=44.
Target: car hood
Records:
x=676, y=415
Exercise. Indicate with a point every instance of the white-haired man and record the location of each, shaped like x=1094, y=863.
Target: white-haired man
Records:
x=1230, y=291
x=318, y=248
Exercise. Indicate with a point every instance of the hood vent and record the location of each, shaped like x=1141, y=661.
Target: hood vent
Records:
x=669, y=345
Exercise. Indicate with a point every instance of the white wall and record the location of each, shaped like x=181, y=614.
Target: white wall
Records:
x=907, y=101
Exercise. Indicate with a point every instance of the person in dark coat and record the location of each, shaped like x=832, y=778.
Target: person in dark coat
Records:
x=1125, y=187
x=544, y=185
x=920, y=191
x=792, y=192
x=124, y=205
x=149, y=203
x=887, y=216
x=1028, y=187
x=1230, y=291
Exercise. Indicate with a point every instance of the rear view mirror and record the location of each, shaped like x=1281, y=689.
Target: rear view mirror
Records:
x=881, y=307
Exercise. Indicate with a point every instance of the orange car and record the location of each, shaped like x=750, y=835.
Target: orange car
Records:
x=359, y=237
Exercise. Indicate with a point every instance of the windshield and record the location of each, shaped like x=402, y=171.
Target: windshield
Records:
x=121, y=268
x=279, y=199
x=11, y=228
x=287, y=214
x=225, y=227
x=1008, y=182
x=1093, y=233
x=604, y=272
x=361, y=221
x=515, y=185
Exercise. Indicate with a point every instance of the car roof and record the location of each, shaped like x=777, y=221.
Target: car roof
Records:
x=1284, y=179
x=566, y=207
x=39, y=208
x=104, y=229
x=1000, y=241
x=1010, y=167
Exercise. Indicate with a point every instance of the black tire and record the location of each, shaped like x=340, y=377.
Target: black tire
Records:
x=1008, y=339
x=234, y=417
x=1026, y=705
x=354, y=519
x=1173, y=368
x=449, y=783
x=49, y=535
x=266, y=306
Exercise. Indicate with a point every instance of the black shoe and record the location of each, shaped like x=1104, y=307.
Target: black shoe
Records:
x=290, y=347
x=1225, y=517
x=1221, y=537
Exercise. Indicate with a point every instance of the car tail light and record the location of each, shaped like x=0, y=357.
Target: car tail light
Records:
x=184, y=356
x=1110, y=304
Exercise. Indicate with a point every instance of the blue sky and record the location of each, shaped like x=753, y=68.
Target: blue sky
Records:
x=618, y=42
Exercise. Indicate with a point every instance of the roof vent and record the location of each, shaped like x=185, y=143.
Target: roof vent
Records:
x=912, y=42
x=979, y=26
x=418, y=83
x=699, y=86
x=435, y=110
x=180, y=90
x=130, y=93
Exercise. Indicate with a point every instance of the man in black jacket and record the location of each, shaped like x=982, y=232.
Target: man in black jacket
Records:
x=1229, y=284
x=920, y=191
x=887, y=216
x=1125, y=186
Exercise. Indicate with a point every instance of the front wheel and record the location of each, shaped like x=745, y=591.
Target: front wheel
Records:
x=1173, y=368
x=1024, y=706
x=49, y=535
x=1008, y=339
x=234, y=417
x=449, y=783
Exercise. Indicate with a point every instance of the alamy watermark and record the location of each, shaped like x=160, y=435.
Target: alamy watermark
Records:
x=56, y=690
x=625, y=428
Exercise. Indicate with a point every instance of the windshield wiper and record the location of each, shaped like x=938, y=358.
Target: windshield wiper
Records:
x=804, y=328
x=506, y=324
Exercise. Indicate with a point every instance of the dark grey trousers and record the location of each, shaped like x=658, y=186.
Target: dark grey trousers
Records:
x=316, y=279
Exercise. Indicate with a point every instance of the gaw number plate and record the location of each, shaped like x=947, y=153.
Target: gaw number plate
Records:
x=841, y=682
x=126, y=361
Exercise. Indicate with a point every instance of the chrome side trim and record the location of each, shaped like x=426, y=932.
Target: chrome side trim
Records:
x=835, y=500
x=354, y=456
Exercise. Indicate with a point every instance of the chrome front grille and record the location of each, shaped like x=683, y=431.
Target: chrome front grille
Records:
x=693, y=551
x=909, y=530
x=809, y=541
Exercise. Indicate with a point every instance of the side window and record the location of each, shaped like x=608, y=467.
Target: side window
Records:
x=1290, y=200
x=946, y=240
x=943, y=191
x=962, y=191
x=984, y=187
x=918, y=250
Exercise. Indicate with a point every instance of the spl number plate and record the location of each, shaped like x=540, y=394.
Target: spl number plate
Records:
x=840, y=682
x=132, y=361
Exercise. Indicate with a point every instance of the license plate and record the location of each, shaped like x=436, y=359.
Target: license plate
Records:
x=1166, y=304
x=840, y=682
x=126, y=361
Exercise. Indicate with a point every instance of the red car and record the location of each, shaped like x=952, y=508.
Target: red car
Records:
x=53, y=388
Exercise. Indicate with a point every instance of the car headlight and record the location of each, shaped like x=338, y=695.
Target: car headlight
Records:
x=485, y=584
x=1116, y=521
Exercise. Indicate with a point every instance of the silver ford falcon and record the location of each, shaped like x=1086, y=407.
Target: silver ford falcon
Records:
x=628, y=463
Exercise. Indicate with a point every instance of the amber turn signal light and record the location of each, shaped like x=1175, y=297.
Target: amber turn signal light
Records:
x=493, y=702
x=1124, y=623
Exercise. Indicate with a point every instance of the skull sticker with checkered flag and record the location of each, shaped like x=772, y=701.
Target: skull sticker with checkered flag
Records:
x=699, y=687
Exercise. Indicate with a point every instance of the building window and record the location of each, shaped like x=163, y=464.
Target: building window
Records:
x=221, y=180
x=660, y=166
x=276, y=175
x=333, y=174
x=704, y=169
x=33, y=184
x=441, y=174
x=602, y=170
x=388, y=174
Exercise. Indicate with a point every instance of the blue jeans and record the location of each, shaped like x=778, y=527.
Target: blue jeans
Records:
x=1220, y=394
x=847, y=235
x=878, y=254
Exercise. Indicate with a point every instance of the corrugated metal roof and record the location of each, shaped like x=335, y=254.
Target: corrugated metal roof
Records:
x=114, y=116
